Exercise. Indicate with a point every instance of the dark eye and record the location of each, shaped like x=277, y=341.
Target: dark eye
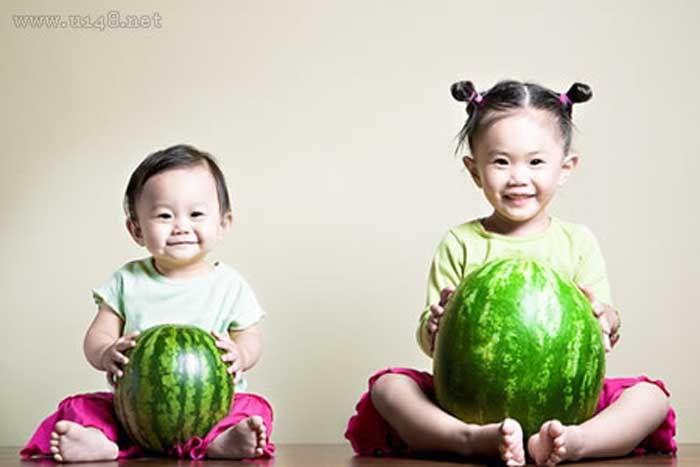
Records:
x=536, y=162
x=500, y=161
x=197, y=214
x=164, y=216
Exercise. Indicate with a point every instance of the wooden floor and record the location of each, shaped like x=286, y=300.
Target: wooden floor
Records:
x=339, y=455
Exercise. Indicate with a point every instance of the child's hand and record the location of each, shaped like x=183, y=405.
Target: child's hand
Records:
x=436, y=312
x=232, y=354
x=113, y=359
x=608, y=318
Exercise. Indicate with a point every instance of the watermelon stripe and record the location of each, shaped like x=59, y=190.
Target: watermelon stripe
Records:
x=204, y=389
x=148, y=397
x=216, y=381
x=130, y=388
x=221, y=393
x=194, y=374
x=134, y=389
x=180, y=396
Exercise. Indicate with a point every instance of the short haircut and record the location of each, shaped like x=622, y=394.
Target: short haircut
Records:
x=174, y=157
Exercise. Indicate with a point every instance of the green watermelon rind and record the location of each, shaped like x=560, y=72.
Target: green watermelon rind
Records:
x=479, y=382
x=158, y=420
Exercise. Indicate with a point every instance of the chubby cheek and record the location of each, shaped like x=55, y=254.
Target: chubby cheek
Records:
x=206, y=232
x=155, y=237
x=547, y=188
x=492, y=197
x=492, y=185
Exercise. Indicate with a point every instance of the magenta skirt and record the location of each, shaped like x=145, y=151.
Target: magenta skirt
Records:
x=371, y=435
x=97, y=410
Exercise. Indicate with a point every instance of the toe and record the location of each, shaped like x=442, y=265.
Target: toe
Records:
x=61, y=427
x=509, y=427
x=255, y=422
x=532, y=441
x=555, y=428
x=544, y=429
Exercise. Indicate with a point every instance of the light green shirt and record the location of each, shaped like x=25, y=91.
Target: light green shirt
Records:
x=219, y=301
x=570, y=249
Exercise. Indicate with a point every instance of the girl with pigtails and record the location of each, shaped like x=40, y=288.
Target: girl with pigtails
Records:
x=518, y=141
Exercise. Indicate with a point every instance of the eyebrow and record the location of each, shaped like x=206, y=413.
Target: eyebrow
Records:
x=161, y=205
x=168, y=206
x=499, y=152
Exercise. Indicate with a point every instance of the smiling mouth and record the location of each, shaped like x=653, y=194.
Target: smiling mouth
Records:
x=518, y=197
x=181, y=243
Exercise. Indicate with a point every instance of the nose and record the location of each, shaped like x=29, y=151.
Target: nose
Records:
x=181, y=226
x=518, y=174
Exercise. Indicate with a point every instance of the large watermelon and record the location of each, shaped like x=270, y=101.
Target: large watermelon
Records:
x=518, y=340
x=175, y=386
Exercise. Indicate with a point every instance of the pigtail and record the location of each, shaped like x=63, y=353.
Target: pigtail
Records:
x=461, y=90
x=577, y=93
x=464, y=91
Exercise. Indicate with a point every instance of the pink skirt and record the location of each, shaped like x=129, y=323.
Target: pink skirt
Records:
x=97, y=410
x=371, y=435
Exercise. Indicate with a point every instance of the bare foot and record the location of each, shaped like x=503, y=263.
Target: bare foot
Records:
x=71, y=442
x=555, y=443
x=244, y=440
x=503, y=439
x=510, y=443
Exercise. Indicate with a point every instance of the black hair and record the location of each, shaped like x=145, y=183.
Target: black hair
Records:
x=510, y=95
x=181, y=155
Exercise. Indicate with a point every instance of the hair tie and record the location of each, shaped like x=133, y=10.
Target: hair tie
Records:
x=476, y=98
x=564, y=99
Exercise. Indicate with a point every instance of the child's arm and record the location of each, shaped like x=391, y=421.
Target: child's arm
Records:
x=104, y=344
x=242, y=349
x=592, y=279
x=446, y=272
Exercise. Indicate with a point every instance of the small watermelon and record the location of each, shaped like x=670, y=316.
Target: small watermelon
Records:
x=174, y=387
x=518, y=340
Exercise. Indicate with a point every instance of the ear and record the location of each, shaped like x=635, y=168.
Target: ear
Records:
x=470, y=164
x=567, y=166
x=135, y=230
x=226, y=222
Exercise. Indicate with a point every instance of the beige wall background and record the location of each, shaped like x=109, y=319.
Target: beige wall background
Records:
x=334, y=125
